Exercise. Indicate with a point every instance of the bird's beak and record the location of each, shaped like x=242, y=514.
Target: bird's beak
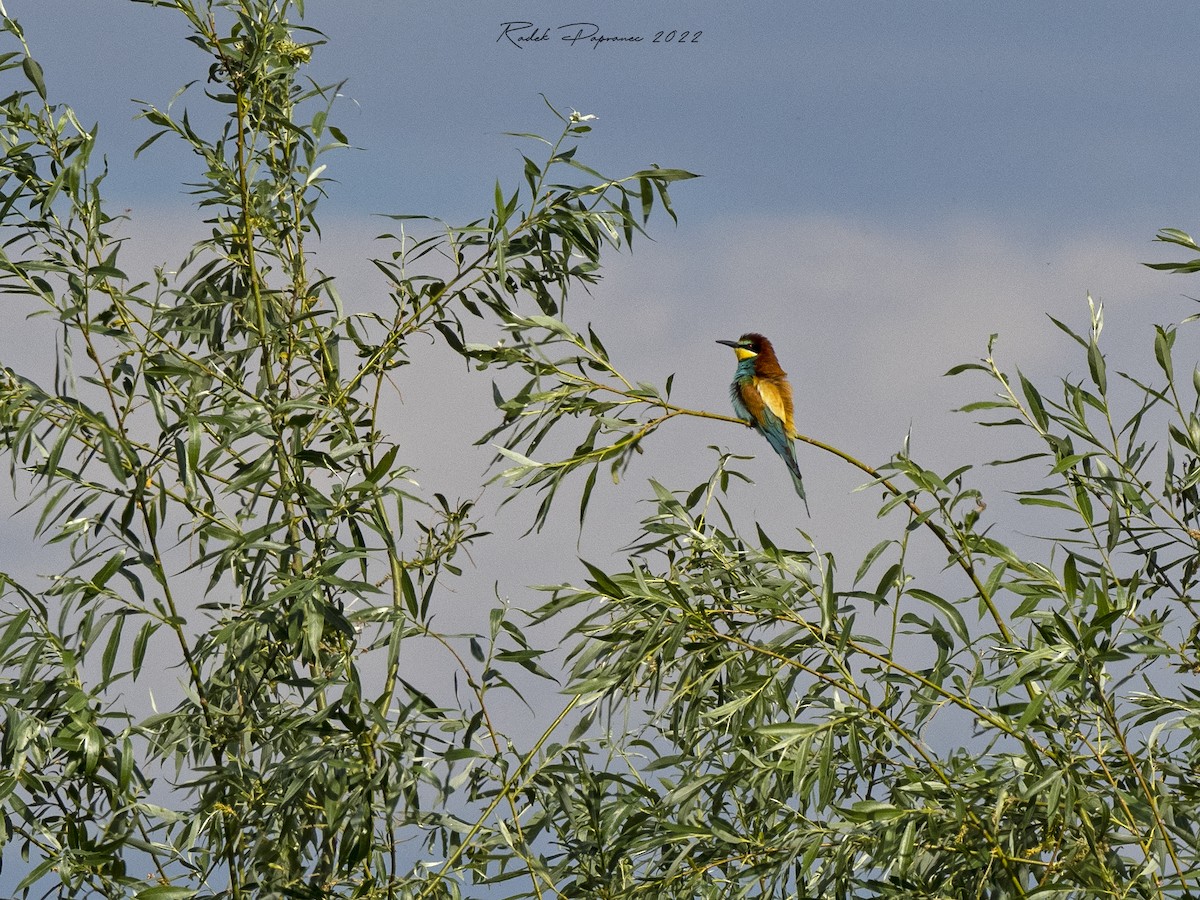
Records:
x=742, y=353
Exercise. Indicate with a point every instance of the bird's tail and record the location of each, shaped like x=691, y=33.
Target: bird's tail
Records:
x=782, y=444
x=798, y=482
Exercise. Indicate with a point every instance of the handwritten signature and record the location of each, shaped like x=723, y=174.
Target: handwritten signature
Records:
x=523, y=34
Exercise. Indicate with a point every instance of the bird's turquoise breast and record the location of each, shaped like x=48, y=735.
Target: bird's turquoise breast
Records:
x=745, y=370
x=739, y=408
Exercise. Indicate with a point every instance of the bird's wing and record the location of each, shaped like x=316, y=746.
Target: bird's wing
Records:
x=777, y=397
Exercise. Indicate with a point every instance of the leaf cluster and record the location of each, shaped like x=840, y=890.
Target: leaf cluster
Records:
x=213, y=480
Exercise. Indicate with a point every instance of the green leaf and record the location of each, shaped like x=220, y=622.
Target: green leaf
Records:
x=33, y=71
x=1096, y=367
x=1065, y=328
x=384, y=465
x=165, y=892
x=586, y=494
x=16, y=628
x=665, y=175
x=1163, y=342
x=1175, y=236
x=1070, y=462
x=889, y=579
x=521, y=460
x=966, y=367
x=1071, y=577
x=603, y=583
x=1034, y=400
x=140, y=643
x=1114, y=524
x=111, y=648
x=112, y=456
x=957, y=624
x=875, y=811
x=1180, y=268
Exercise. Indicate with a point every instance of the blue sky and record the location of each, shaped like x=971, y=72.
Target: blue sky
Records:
x=1046, y=115
x=885, y=184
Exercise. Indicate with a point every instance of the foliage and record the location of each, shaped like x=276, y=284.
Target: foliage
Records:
x=211, y=457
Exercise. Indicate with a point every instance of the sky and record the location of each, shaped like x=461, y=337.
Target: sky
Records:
x=884, y=185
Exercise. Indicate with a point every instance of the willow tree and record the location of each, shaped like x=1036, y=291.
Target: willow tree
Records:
x=211, y=457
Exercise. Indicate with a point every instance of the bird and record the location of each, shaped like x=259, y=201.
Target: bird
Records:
x=762, y=398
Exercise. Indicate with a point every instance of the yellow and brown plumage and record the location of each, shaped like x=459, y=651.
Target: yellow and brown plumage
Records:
x=762, y=398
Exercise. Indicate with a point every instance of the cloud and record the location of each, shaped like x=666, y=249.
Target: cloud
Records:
x=866, y=317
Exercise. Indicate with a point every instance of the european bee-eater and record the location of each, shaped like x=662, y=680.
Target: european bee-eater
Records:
x=762, y=398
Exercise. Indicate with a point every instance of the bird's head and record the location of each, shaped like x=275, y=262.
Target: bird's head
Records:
x=749, y=346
